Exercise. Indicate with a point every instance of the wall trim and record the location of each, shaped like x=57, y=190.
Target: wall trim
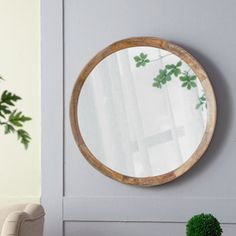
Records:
x=52, y=105
x=115, y=209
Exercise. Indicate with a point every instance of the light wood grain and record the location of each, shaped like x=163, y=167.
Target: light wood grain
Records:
x=197, y=69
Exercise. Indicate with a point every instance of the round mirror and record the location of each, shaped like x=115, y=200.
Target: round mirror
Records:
x=143, y=111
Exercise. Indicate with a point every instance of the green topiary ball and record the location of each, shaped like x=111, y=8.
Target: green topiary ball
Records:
x=203, y=225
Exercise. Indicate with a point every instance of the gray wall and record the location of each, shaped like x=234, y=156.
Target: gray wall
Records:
x=93, y=204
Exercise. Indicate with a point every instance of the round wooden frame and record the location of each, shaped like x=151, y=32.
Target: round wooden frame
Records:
x=197, y=69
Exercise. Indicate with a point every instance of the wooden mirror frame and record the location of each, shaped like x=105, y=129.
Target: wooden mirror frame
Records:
x=197, y=69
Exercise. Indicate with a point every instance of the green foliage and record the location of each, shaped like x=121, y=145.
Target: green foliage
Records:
x=24, y=137
x=9, y=128
x=166, y=74
x=9, y=98
x=188, y=80
x=11, y=119
x=203, y=225
x=17, y=118
x=202, y=102
x=141, y=60
x=161, y=78
x=169, y=72
x=4, y=110
x=174, y=69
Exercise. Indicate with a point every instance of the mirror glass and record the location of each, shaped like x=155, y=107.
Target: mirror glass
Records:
x=142, y=111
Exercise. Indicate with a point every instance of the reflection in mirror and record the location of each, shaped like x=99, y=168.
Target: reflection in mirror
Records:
x=142, y=111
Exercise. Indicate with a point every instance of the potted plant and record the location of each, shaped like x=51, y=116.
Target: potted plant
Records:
x=11, y=119
x=203, y=225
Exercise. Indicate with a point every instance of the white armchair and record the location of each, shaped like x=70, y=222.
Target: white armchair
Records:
x=22, y=220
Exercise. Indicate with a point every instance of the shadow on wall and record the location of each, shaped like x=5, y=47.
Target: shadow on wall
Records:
x=224, y=115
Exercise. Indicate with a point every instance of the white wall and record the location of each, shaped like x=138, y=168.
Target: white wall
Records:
x=20, y=67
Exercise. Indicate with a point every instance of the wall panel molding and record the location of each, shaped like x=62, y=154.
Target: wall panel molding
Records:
x=141, y=209
x=137, y=229
x=52, y=101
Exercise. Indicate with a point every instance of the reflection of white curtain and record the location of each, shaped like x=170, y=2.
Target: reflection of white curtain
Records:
x=111, y=117
x=177, y=159
x=118, y=117
x=136, y=134
x=134, y=128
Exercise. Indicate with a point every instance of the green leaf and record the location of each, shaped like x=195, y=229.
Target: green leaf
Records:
x=163, y=81
x=179, y=64
x=4, y=110
x=203, y=98
x=157, y=84
x=183, y=78
x=17, y=118
x=9, y=98
x=202, y=102
x=10, y=120
x=168, y=77
x=173, y=69
x=24, y=137
x=138, y=64
x=170, y=66
x=177, y=72
x=137, y=58
x=141, y=60
x=162, y=78
x=188, y=81
x=9, y=129
x=142, y=55
x=198, y=105
x=162, y=72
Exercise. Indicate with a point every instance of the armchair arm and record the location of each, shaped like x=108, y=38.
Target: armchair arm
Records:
x=28, y=222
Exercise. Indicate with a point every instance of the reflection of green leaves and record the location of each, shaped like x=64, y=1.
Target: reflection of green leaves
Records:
x=174, y=69
x=166, y=74
x=141, y=60
x=188, y=81
x=161, y=78
x=201, y=102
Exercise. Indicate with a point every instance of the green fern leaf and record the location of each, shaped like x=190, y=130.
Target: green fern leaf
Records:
x=17, y=118
x=24, y=137
x=9, y=98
